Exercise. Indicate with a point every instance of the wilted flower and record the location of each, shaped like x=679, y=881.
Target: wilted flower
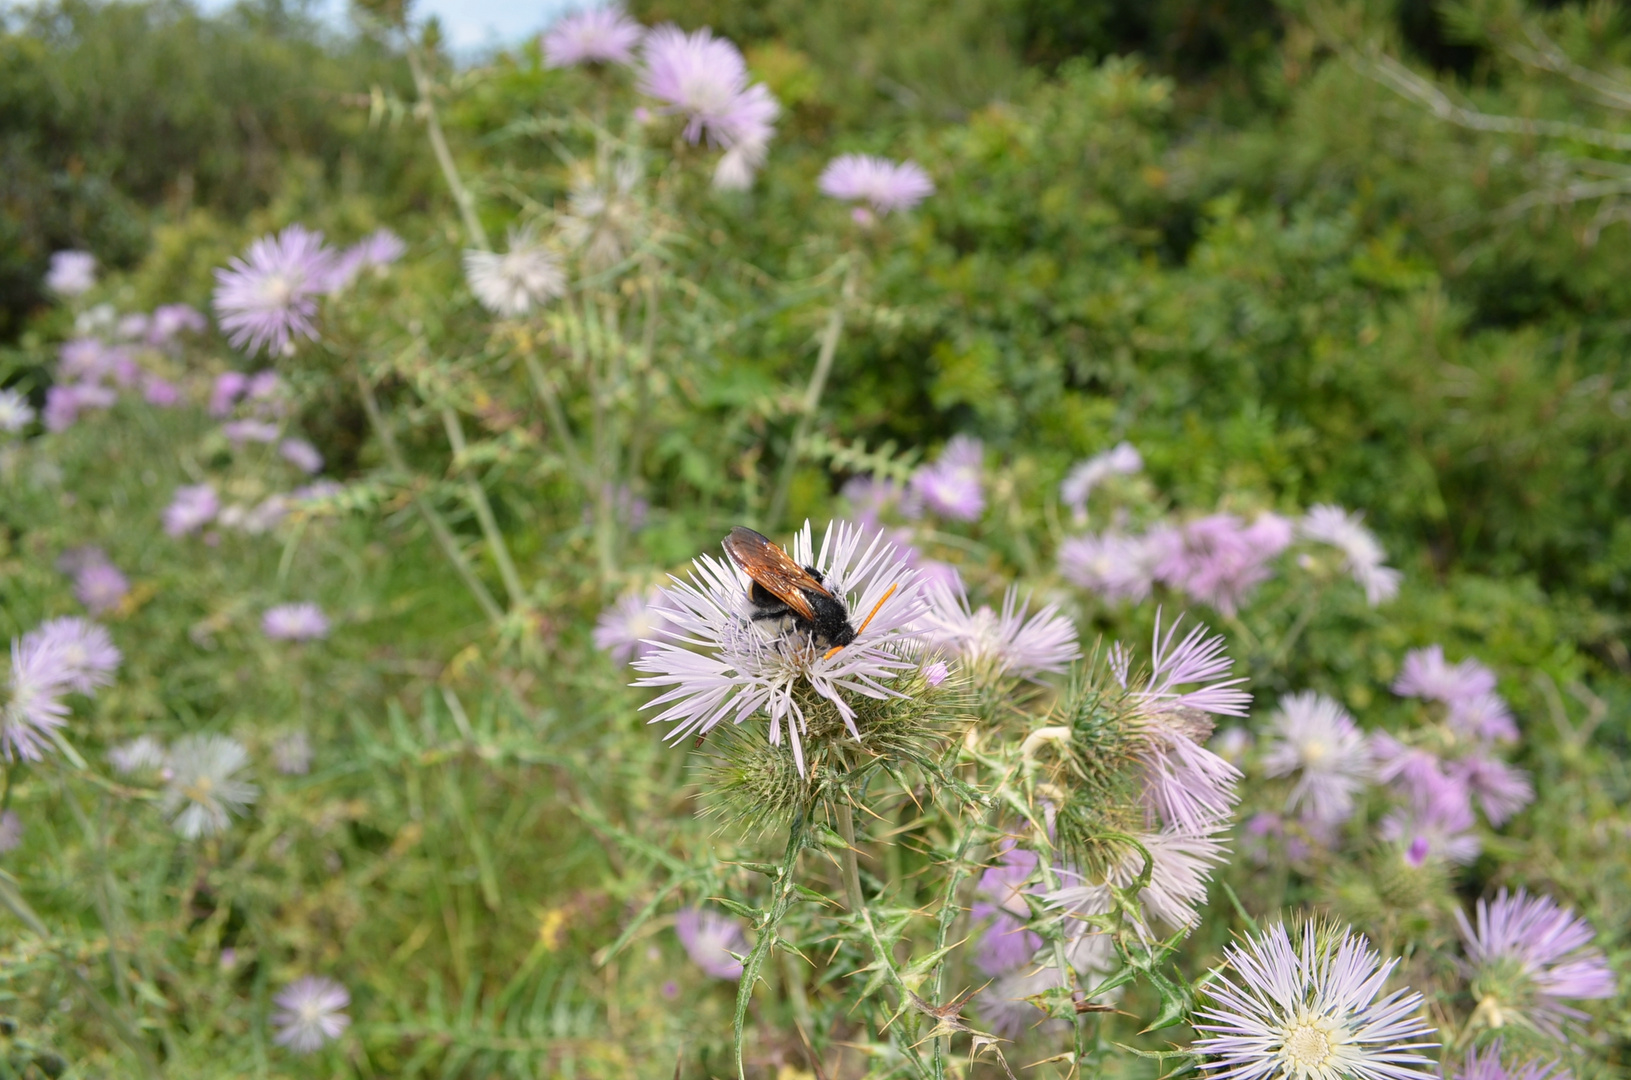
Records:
x=951, y=487
x=1528, y=955
x=11, y=831
x=629, y=627
x=748, y=664
x=710, y=938
x=705, y=80
x=292, y=754
x=15, y=412
x=1114, y=565
x=597, y=36
x=1310, y=1010
x=141, y=754
x=72, y=273
x=1486, y=1065
x=301, y=454
x=514, y=283
x=1314, y=738
x=310, y=1012
x=1120, y=460
x=304, y=621
x=604, y=219
x=32, y=707
x=203, y=793
x=883, y=184
x=193, y=507
x=269, y=297
x=999, y=644
x=84, y=651
x=1363, y=555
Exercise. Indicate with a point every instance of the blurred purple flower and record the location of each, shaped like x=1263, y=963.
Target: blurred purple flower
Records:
x=310, y=1012
x=192, y=507
x=72, y=273
x=32, y=707
x=303, y=621
x=239, y=432
x=375, y=251
x=1123, y=459
x=1314, y=738
x=1499, y=788
x=229, y=387
x=996, y=644
x=171, y=319
x=268, y=297
x=1114, y=565
x=301, y=454
x=1545, y=948
x=597, y=36
x=64, y=401
x=1437, y=822
x=951, y=487
x=631, y=627
x=1363, y=555
x=935, y=673
x=84, y=651
x=11, y=831
x=705, y=80
x=886, y=185
x=160, y=392
x=1483, y=716
x=710, y=938
x=100, y=586
x=1218, y=560
x=1426, y=674
x=1486, y=1065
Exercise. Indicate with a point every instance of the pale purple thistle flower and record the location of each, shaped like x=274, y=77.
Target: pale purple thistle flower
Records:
x=229, y=387
x=629, y=627
x=597, y=36
x=1426, y=674
x=1314, y=738
x=951, y=486
x=375, y=251
x=886, y=185
x=1362, y=554
x=1437, y=822
x=1499, y=788
x=1123, y=459
x=302, y=455
x=160, y=392
x=935, y=673
x=1486, y=717
x=203, y=792
x=710, y=939
x=1486, y=1065
x=171, y=319
x=1181, y=863
x=85, y=652
x=1006, y=944
x=72, y=273
x=746, y=665
x=999, y=644
x=32, y=707
x=269, y=297
x=303, y=621
x=310, y=1012
x=1114, y=565
x=193, y=507
x=1219, y=559
x=100, y=587
x=1546, y=946
x=1310, y=1010
x=705, y=80
x=11, y=831
x=15, y=412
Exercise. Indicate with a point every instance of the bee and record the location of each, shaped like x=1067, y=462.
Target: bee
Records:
x=792, y=597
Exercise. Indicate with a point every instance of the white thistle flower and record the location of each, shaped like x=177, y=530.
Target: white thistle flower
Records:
x=203, y=793
x=517, y=281
x=1314, y=738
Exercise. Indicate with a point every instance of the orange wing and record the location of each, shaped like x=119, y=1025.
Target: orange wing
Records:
x=773, y=569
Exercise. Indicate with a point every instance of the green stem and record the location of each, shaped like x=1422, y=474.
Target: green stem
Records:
x=642, y=375
x=438, y=528
x=484, y=513
x=593, y=352
x=812, y=396
x=948, y=915
x=444, y=157
x=557, y=418
x=852, y=866
x=768, y=930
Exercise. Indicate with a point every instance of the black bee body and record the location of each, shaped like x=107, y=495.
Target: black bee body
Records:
x=827, y=626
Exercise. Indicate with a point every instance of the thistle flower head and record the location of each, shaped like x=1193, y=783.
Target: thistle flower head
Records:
x=1361, y=553
x=1314, y=739
x=1486, y=717
x=204, y=792
x=951, y=487
x=886, y=186
x=705, y=80
x=1486, y=1064
x=268, y=298
x=1180, y=863
x=629, y=627
x=31, y=706
x=720, y=662
x=301, y=454
x=710, y=939
x=1499, y=788
x=303, y=621
x=1527, y=956
x=1115, y=565
x=310, y=1012
x=1437, y=822
x=15, y=412
x=84, y=652
x=1219, y=559
x=100, y=586
x=1426, y=674
x=1123, y=459
x=996, y=644
x=171, y=319
x=1310, y=1009
x=72, y=273
x=597, y=36
x=193, y=507
x=521, y=279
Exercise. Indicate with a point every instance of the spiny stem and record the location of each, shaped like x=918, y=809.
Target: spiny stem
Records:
x=438, y=528
x=852, y=866
x=812, y=395
x=484, y=514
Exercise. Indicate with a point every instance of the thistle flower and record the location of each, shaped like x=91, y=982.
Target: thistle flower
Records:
x=203, y=793
x=738, y=166
x=710, y=938
x=597, y=36
x=514, y=283
x=629, y=627
x=885, y=185
x=951, y=487
x=32, y=707
x=160, y=392
x=375, y=251
x=268, y=297
x=171, y=319
x=84, y=651
x=1219, y=559
x=1527, y=956
x=304, y=621
x=192, y=508
x=239, y=432
x=1437, y=822
x=1362, y=554
x=72, y=273
x=705, y=80
x=11, y=831
x=604, y=219
x=1486, y=1064
x=1114, y=565
x=310, y=1012
x=1006, y=944
x=1426, y=674
x=292, y=754
x=229, y=387
x=100, y=586
x=1123, y=459
x=1314, y=738
x=1180, y=864
x=65, y=401
x=748, y=666
x=141, y=754
x=1499, y=788
x=15, y=412
x=301, y=454
x=1310, y=1010
x=1485, y=716
x=999, y=644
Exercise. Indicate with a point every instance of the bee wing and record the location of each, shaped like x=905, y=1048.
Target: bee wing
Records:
x=773, y=569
